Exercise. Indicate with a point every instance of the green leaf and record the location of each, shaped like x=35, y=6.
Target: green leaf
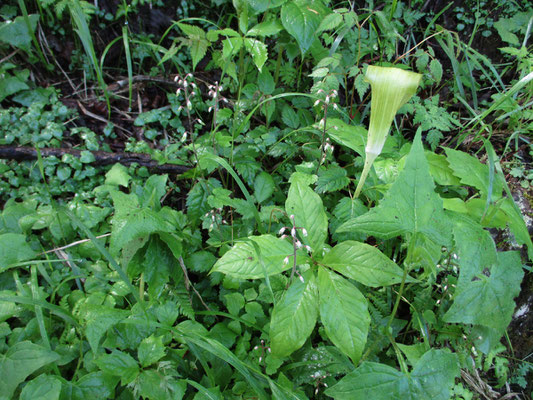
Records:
x=294, y=317
x=13, y=249
x=197, y=43
x=98, y=319
x=472, y=172
x=435, y=67
x=332, y=179
x=301, y=18
x=363, y=263
x=258, y=50
x=353, y=137
x=517, y=225
x=265, y=82
x=119, y=364
x=263, y=186
x=290, y=118
x=151, y=350
x=44, y=387
x=268, y=28
x=242, y=261
x=431, y=379
x=118, y=175
x=410, y=206
x=488, y=300
x=94, y=385
x=131, y=223
x=330, y=21
x=308, y=211
x=20, y=361
x=15, y=33
x=344, y=313
x=440, y=170
x=10, y=85
x=263, y=5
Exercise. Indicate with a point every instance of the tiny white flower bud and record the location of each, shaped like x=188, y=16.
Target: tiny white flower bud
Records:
x=316, y=103
x=286, y=260
x=281, y=231
x=293, y=232
x=301, y=278
x=304, y=232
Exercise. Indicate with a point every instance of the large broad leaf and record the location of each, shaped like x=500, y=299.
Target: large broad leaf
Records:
x=44, y=387
x=488, y=300
x=344, y=313
x=98, y=319
x=16, y=32
x=19, y=362
x=263, y=5
x=14, y=248
x=363, y=263
x=472, y=172
x=294, y=317
x=431, y=379
x=243, y=262
x=301, y=19
x=308, y=211
x=410, y=206
x=119, y=364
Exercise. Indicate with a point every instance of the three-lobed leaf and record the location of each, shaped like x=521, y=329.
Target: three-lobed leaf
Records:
x=410, y=206
x=431, y=379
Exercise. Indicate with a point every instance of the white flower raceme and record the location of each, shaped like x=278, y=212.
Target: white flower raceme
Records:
x=391, y=89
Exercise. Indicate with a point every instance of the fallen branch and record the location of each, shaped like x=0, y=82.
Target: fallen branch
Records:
x=100, y=158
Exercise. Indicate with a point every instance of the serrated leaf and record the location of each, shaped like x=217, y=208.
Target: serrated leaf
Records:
x=410, y=206
x=94, y=385
x=330, y=21
x=290, y=118
x=517, y=225
x=344, y=313
x=13, y=249
x=363, y=263
x=19, y=362
x=197, y=204
x=472, y=172
x=435, y=67
x=265, y=82
x=98, y=319
x=431, y=379
x=487, y=284
x=301, y=19
x=258, y=50
x=242, y=261
x=119, y=364
x=263, y=186
x=268, y=28
x=308, y=211
x=197, y=44
x=332, y=179
x=263, y=5
x=151, y=350
x=44, y=387
x=319, y=72
x=433, y=138
x=294, y=317
x=361, y=85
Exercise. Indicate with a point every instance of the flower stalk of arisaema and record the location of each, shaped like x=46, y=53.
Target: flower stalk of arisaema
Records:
x=391, y=89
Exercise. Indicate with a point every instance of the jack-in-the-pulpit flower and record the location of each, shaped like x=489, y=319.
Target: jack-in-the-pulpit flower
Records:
x=391, y=89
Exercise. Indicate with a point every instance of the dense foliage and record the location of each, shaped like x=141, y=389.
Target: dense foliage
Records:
x=261, y=272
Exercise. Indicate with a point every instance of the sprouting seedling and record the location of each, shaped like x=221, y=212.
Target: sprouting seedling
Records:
x=391, y=89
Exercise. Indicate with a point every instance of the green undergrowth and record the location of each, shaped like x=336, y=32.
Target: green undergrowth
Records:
x=257, y=273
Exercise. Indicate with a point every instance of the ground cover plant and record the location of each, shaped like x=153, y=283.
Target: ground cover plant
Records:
x=265, y=199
